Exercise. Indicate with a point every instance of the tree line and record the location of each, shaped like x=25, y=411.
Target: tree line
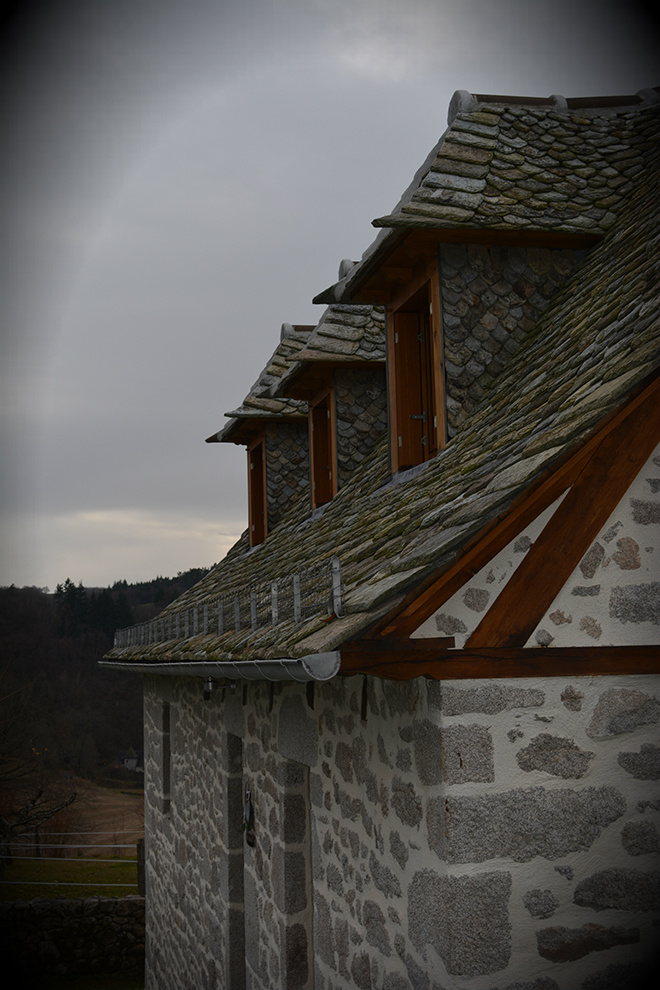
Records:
x=120, y=605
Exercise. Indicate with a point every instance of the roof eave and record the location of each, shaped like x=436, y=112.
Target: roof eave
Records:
x=236, y=430
x=313, y=667
x=408, y=230
x=344, y=290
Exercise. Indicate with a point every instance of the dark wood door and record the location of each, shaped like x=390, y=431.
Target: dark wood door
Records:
x=257, y=493
x=321, y=449
x=415, y=424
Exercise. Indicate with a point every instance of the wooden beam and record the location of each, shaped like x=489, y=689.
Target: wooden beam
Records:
x=439, y=588
x=438, y=351
x=547, y=566
x=361, y=655
x=357, y=653
x=426, y=239
x=479, y=664
x=423, y=644
x=397, y=273
x=310, y=380
x=375, y=294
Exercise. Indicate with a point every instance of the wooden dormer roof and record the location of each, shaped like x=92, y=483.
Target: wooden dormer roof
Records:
x=259, y=405
x=537, y=172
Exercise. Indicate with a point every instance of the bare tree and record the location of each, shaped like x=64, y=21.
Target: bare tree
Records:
x=31, y=790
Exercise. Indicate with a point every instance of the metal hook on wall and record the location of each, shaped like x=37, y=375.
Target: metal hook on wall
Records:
x=248, y=818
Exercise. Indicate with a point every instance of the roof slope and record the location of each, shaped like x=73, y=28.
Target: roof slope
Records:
x=595, y=344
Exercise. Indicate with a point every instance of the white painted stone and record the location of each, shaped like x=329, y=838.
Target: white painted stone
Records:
x=618, y=537
x=489, y=580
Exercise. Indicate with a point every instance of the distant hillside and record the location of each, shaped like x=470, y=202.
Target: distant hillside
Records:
x=57, y=706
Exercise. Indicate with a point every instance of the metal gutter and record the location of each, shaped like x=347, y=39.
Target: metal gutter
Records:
x=314, y=667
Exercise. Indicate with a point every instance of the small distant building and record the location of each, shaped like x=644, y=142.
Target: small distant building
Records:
x=405, y=735
x=131, y=760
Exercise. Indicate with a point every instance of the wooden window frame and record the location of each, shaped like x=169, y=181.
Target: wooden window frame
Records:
x=322, y=447
x=420, y=292
x=257, y=497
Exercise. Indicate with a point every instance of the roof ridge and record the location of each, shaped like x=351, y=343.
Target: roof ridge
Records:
x=465, y=102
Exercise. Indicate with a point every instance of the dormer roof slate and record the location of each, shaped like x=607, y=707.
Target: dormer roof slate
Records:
x=545, y=167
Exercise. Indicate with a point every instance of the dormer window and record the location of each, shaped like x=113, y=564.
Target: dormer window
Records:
x=322, y=448
x=415, y=372
x=257, y=491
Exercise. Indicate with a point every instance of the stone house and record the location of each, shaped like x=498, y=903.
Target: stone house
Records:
x=405, y=734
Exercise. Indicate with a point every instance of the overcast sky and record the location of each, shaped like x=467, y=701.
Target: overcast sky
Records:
x=179, y=178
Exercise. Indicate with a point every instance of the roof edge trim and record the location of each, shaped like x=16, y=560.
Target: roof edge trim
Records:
x=313, y=667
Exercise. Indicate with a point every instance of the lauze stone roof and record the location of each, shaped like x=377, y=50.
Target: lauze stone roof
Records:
x=345, y=334
x=594, y=345
x=546, y=167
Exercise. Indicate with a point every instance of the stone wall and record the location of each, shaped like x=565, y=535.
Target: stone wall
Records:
x=361, y=416
x=472, y=835
x=491, y=298
x=58, y=937
x=613, y=595
x=487, y=829
x=278, y=893
x=479, y=835
x=193, y=808
x=287, y=466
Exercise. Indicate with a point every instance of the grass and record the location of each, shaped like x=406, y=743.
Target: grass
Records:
x=47, y=878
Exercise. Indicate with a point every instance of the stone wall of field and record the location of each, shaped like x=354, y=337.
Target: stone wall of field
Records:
x=480, y=835
x=58, y=937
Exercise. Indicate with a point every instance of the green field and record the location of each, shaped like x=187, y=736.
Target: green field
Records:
x=30, y=878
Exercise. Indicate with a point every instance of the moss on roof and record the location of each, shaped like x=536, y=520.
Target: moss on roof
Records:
x=549, y=166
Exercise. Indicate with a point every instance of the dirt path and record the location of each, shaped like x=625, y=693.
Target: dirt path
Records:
x=113, y=811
